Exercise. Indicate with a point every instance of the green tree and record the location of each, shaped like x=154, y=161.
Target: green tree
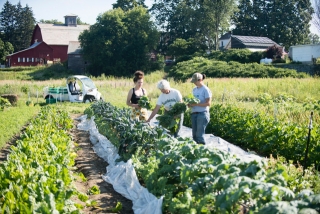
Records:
x=7, y=22
x=52, y=21
x=181, y=47
x=119, y=43
x=17, y=24
x=128, y=4
x=283, y=21
x=201, y=20
x=24, y=28
x=6, y=48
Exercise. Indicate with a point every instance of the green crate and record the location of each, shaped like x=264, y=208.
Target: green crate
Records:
x=51, y=100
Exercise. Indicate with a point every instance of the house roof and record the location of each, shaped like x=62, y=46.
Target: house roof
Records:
x=74, y=47
x=59, y=34
x=254, y=40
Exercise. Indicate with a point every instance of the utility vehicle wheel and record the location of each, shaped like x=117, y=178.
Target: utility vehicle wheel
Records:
x=87, y=100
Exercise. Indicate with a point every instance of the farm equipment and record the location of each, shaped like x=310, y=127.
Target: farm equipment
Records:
x=78, y=89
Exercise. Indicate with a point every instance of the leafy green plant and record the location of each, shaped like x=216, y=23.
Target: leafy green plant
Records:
x=94, y=190
x=144, y=102
x=4, y=103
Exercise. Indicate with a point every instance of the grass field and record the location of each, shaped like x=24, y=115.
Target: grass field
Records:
x=241, y=92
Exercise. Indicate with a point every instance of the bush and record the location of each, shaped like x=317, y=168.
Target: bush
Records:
x=4, y=103
x=274, y=52
x=12, y=98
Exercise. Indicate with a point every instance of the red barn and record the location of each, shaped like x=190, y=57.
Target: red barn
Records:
x=49, y=43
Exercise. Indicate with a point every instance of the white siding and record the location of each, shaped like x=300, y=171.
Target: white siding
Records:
x=304, y=53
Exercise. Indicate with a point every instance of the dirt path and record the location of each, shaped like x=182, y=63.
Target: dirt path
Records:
x=93, y=167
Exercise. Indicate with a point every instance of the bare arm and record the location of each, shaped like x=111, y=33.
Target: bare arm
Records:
x=153, y=113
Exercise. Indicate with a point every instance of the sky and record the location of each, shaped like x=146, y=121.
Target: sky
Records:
x=86, y=10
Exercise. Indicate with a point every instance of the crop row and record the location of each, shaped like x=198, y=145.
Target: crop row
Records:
x=263, y=134
x=200, y=179
x=35, y=178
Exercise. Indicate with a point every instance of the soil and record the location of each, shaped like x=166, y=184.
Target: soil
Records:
x=92, y=167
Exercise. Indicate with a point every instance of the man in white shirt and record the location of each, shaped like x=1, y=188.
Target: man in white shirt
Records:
x=167, y=98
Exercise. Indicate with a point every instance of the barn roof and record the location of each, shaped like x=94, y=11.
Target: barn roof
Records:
x=74, y=47
x=34, y=45
x=60, y=34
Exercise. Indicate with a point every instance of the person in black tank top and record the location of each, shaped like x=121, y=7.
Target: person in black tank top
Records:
x=134, y=95
x=135, y=98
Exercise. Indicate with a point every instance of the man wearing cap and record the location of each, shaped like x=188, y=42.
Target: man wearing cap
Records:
x=200, y=115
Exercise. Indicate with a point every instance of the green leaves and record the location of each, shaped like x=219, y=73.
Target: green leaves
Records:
x=42, y=156
x=144, y=102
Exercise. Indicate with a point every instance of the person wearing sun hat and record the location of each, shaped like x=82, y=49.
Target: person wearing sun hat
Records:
x=200, y=115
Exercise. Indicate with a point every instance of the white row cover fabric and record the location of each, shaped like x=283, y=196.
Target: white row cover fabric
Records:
x=121, y=175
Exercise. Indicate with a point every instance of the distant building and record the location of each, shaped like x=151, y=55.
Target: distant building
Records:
x=304, y=53
x=253, y=43
x=49, y=43
x=75, y=59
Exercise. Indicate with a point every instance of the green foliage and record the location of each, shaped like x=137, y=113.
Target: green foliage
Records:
x=17, y=24
x=201, y=179
x=268, y=18
x=258, y=132
x=190, y=99
x=43, y=154
x=144, y=102
x=128, y=37
x=6, y=48
x=4, y=103
x=94, y=190
x=118, y=207
x=218, y=69
x=237, y=55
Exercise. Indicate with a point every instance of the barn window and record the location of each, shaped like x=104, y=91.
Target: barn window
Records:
x=23, y=59
x=18, y=59
x=32, y=59
x=27, y=59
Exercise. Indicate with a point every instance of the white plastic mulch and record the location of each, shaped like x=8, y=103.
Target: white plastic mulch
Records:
x=123, y=176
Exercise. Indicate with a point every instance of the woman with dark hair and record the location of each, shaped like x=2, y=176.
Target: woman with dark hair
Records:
x=134, y=96
x=200, y=115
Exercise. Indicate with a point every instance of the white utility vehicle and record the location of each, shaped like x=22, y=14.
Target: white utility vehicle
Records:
x=78, y=88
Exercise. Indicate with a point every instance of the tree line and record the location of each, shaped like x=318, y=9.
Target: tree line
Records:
x=122, y=39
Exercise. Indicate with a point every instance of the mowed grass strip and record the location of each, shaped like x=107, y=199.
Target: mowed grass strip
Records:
x=13, y=119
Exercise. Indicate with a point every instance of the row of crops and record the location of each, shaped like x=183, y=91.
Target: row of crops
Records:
x=259, y=132
x=36, y=177
x=198, y=179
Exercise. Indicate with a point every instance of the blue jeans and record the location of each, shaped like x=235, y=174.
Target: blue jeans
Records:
x=199, y=122
x=181, y=117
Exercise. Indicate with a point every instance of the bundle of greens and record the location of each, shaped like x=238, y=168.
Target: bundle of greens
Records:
x=170, y=119
x=190, y=99
x=144, y=102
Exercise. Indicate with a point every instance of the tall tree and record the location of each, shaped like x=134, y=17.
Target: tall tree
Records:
x=7, y=22
x=201, y=20
x=316, y=14
x=25, y=26
x=17, y=24
x=119, y=43
x=128, y=4
x=5, y=49
x=283, y=21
